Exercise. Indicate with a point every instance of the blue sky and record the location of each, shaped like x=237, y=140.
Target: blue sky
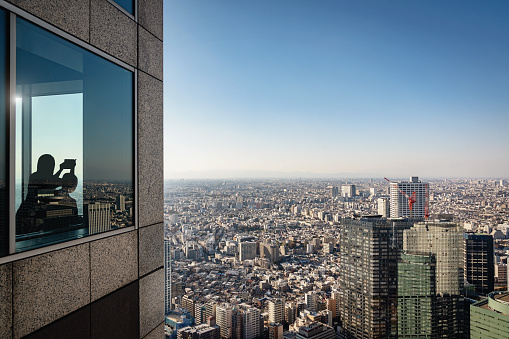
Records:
x=392, y=88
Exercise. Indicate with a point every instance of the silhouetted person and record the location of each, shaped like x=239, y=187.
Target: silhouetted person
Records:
x=41, y=188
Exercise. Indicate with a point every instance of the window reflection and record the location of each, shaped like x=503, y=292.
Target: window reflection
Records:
x=4, y=242
x=74, y=141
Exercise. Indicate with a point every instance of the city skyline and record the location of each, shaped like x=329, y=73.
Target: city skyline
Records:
x=358, y=89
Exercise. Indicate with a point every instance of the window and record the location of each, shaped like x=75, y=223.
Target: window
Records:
x=74, y=141
x=4, y=239
x=128, y=5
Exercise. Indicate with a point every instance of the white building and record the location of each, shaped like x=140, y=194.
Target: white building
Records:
x=224, y=319
x=400, y=203
x=277, y=310
x=251, y=323
x=384, y=207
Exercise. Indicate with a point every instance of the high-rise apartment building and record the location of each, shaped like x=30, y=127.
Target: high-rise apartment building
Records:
x=167, y=277
x=370, y=248
x=269, y=252
x=414, y=189
x=311, y=300
x=384, y=207
x=224, y=319
x=479, y=262
x=247, y=250
x=202, y=331
x=251, y=323
x=275, y=331
x=81, y=111
x=277, y=310
x=202, y=311
x=443, y=239
x=416, y=296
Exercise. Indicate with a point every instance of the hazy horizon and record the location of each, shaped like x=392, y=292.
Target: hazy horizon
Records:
x=391, y=89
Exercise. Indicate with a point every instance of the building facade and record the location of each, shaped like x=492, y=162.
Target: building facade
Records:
x=443, y=239
x=489, y=318
x=414, y=189
x=370, y=248
x=479, y=262
x=81, y=111
x=416, y=296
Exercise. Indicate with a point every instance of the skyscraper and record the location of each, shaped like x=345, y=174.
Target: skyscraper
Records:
x=251, y=323
x=416, y=296
x=414, y=189
x=370, y=248
x=479, y=263
x=247, y=250
x=443, y=239
x=489, y=318
x=97, y=217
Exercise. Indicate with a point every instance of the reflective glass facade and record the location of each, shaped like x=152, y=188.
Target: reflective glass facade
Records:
x=74, y=141
x=4, y=241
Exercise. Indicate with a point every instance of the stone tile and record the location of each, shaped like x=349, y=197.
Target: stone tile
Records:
x=150, y=54
x=116, y=315
x=157, y=333
x=76, y=326
x=113, y=263
x=71, y=16
x=150, y=16
x=150, y=150
x=113, y=31
x=49, y=286
x=151, y=245
x=6, y=301
x=151, y=302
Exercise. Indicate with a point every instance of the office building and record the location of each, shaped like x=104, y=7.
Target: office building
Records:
x=414, y=189
x=97, y=217
x=444, y=239
x=416, y=296
x=277, y=310
x=479, y=262
x=81, y=83
x=370, y=248
x=489, y=318
x=247, y=250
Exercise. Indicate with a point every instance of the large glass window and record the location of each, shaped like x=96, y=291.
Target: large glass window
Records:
x=128, y=5
x=4, y=242
x=74, y=141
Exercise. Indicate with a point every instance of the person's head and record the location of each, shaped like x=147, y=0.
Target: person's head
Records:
x=46, y=164
x=69, y=182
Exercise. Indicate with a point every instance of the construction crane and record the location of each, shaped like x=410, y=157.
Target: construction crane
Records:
x=411, y=199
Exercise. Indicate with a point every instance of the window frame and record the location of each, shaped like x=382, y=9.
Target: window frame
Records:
x=13, y=13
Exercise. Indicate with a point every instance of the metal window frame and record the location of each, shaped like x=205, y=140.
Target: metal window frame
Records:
x=15, y=12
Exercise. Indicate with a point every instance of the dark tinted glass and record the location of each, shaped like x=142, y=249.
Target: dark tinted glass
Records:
x=74, y=141
x=3, y=134
x=128, y=5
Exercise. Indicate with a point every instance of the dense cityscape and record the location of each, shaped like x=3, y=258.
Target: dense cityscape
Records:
x=356, y=258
